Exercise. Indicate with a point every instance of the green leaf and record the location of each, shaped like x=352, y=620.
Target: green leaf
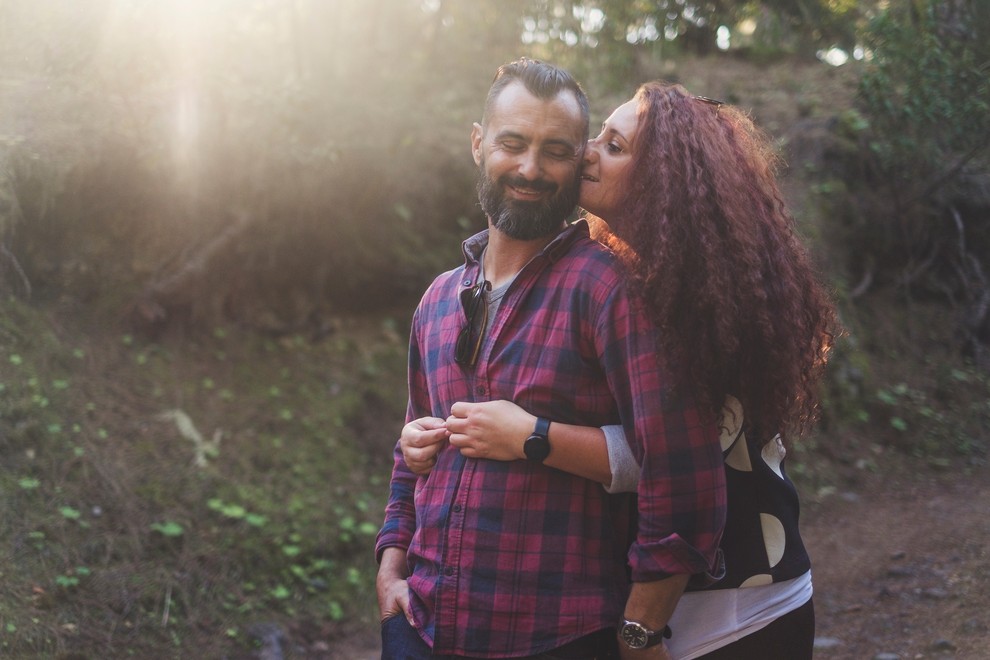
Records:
x=255, y=520
x=234, y=511
x=169, y=528
x=887, y=397
x=960, y=375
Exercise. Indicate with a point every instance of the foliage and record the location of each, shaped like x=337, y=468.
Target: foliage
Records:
x=916, y=160
x=271, y=163
x=926, y=94
x=233, y=162
x=122, y=542
x=619, y=34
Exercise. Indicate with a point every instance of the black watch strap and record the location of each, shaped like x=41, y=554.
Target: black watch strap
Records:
x=537, y=445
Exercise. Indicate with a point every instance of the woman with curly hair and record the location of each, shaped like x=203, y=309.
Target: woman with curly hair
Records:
x=683, y=189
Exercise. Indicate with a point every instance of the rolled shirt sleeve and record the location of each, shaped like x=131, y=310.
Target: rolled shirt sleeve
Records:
x=681, y=490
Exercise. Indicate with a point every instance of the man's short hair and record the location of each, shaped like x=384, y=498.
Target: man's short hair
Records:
x=542, y=80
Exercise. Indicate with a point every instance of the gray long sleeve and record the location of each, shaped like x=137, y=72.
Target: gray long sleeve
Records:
x=621, y=462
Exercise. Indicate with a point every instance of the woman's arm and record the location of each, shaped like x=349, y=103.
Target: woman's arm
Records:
x=497, y=430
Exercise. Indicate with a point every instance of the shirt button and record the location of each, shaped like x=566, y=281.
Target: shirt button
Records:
x=448, y=571
x=466, y=282
x=457, y=508
x=480, y=390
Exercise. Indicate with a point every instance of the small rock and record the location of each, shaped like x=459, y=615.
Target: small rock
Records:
x=943, y=645
x=935, y=594
x=899, y=572
x=269, y=638
x=974, y=626
x=886, y=656
x=827, y=642
x=899, y=555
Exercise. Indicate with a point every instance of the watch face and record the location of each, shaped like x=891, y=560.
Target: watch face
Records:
x=537, y=448
x=635, y=636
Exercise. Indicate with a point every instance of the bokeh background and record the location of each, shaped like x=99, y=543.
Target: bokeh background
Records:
x=216, y=218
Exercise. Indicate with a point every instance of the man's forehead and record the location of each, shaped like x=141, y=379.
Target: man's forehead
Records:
x=518, y=109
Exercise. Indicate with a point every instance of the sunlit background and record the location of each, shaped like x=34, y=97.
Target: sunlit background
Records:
x=302, y=126
x=216, y=217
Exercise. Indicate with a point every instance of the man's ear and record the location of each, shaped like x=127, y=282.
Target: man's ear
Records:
x=477, y=133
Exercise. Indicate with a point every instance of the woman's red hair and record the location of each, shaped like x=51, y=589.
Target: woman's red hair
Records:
x=712, y=253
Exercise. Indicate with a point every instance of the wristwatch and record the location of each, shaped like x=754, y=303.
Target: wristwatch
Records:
x=637, y=636
x=537, y=445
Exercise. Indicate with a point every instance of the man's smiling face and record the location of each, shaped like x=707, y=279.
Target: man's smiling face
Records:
x=529, y=154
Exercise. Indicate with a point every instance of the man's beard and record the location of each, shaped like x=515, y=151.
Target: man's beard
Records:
x=525, y=221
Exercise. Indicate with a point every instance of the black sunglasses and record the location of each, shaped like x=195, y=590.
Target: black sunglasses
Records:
x=469, y=339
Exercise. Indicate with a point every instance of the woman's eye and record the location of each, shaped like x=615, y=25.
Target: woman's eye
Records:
x=613, y=148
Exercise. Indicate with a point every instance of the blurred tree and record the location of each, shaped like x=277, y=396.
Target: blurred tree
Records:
x=266, y=161
x=921, y=179
x=621, y=30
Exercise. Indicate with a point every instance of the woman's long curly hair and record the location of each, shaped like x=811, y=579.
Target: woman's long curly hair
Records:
x=712, y=253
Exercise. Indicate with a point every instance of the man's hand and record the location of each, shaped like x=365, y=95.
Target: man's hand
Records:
x=658, y=652
x=391, y=585
x=421, y=441
x=495, y=430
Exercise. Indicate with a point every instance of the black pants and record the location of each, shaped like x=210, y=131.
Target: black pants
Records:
x=791, y=637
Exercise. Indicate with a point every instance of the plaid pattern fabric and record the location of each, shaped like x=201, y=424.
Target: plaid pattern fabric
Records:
x=513, y=559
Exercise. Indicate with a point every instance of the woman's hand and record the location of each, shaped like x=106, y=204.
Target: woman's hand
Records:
x=494, y=430
x=421, y=441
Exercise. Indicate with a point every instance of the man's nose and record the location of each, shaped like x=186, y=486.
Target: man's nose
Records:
x=590, y=153
x=531, y=165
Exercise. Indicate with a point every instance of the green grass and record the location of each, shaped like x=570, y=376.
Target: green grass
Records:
x=160, y=499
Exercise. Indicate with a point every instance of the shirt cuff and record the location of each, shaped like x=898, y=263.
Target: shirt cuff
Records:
x=673, y=556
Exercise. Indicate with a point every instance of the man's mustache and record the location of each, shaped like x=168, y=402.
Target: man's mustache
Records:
x=538, y=185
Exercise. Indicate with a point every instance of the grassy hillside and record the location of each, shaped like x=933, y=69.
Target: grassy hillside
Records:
x=180, y=499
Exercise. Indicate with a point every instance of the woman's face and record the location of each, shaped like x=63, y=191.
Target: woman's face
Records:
x=607, y=164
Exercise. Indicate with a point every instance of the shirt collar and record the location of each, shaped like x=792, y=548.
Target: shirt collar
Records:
x=473, y=247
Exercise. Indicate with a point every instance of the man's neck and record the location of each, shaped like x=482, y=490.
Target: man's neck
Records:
x=506, y=256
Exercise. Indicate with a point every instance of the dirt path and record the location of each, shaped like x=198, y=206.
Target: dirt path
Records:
x=902, y=565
